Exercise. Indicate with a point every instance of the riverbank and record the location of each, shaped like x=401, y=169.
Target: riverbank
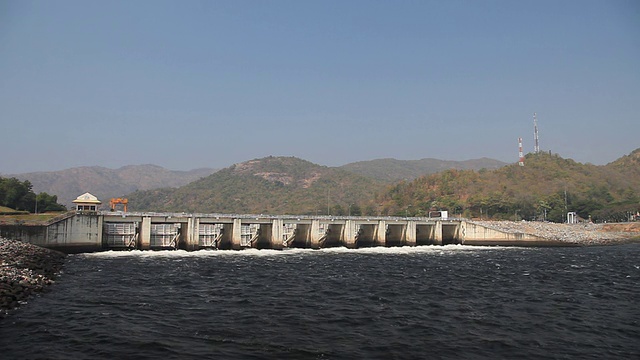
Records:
x=580, y=234
x=25, y=269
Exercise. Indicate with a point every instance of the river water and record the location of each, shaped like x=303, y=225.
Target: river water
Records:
x=440, y=302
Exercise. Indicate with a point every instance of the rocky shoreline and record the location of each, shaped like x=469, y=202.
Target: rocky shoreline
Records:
x=25, y=269
x=580, y=234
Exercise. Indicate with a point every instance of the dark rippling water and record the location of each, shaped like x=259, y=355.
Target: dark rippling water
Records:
x=449, y=302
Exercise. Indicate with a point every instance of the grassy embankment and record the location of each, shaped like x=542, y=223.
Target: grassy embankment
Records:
x=10, y=216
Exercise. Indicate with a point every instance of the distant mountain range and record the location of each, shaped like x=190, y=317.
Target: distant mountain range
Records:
x=107, y=183
x=546, y=188
x=392, y=170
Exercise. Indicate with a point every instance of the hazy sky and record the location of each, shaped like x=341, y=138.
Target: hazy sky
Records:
x=187, y=84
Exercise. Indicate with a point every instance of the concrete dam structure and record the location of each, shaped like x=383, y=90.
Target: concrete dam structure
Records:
x=84, y=231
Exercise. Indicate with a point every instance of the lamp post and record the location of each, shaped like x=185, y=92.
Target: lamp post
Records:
x=406, y=211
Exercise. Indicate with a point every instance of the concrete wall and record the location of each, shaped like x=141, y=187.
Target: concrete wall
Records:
x=302, y=236
x=395, y=234
x=350, y=233
x=410, y=235
x=276, y=233
x=145, y=233
x=84, y=232
x=368, y=234
x=425, y=234
x=335, y=235
x=79, y=233
x=475, y=234
x=26, y=233
x=451, y=233
x=266, y=239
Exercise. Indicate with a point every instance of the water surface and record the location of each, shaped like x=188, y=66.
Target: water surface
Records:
x=448, y=302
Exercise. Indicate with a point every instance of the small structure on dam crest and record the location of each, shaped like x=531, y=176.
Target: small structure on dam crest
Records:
x=87, y=202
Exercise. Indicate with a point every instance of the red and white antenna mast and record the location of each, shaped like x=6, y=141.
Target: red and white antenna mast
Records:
x=521, y=162
x=536, y=148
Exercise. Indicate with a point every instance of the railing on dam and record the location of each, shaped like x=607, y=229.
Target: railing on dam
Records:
x=269, y=216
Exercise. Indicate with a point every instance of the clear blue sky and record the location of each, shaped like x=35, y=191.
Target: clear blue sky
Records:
x=187, y=84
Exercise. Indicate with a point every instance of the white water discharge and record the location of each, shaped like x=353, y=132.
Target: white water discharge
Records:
x=427, y=249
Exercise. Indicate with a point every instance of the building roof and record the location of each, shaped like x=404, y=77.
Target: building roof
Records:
x=87, y=198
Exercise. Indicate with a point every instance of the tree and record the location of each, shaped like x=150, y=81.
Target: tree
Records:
x=370, y=210
x=46, y=202
x=19, y=195
x=16, y=195
x=337, y=210
x=355, y=210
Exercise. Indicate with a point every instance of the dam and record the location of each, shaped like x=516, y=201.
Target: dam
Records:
x=87, y=231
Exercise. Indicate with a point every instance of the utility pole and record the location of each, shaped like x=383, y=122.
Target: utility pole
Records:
x=520, y=153
x=565, y=203
x=328, y=207
x=536, y=148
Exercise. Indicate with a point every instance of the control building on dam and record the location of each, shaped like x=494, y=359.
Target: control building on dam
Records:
x=83, y=231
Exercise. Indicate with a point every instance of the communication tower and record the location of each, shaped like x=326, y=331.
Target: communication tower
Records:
x=536, y=148
x=521, y=162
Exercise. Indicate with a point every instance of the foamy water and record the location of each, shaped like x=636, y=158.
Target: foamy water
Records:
x=447, y=249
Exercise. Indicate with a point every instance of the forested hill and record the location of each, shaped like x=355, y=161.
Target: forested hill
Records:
x=627, y=165
x=107, y=183
x=271, y=185
x=392, y=170
x=545, y=188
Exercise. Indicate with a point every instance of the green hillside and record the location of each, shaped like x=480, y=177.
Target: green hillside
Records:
x=627, y=166
x=545, y=188
x=392, y=170
x=272, y=185
x=9, y=211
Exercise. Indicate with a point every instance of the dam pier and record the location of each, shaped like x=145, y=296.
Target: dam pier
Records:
x=87, y=231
